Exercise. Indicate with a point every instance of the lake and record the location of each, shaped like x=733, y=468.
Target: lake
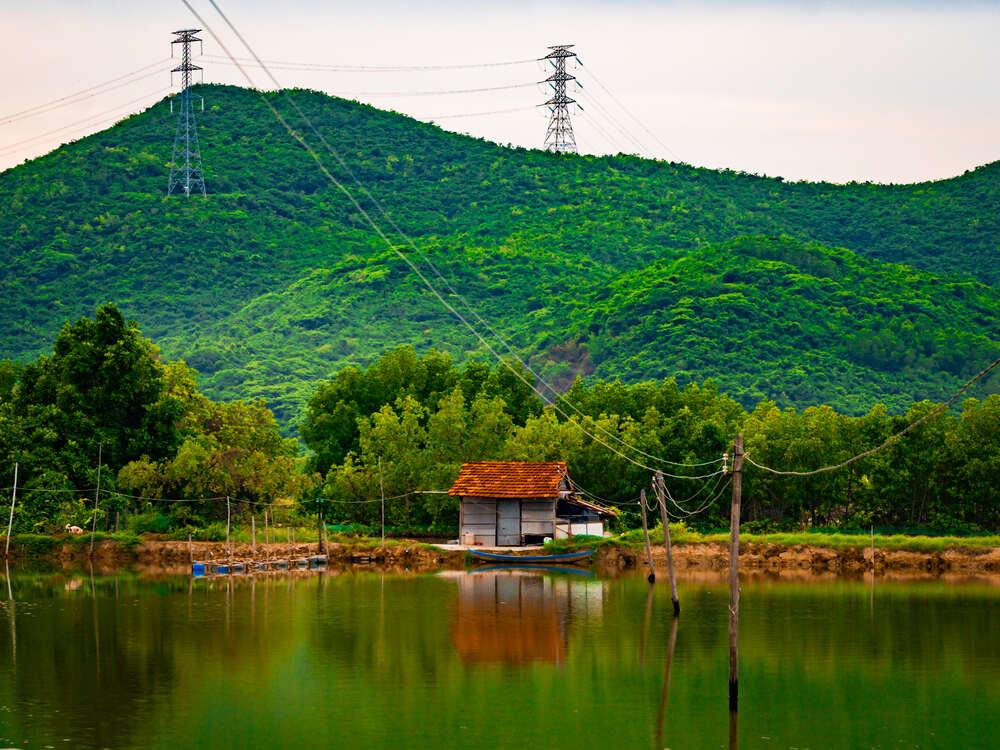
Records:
x=505, y=659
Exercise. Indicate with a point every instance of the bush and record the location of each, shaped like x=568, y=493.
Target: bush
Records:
x=35, y=544
x=150, y=523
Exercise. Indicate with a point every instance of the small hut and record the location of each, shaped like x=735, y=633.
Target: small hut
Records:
x=510, y=504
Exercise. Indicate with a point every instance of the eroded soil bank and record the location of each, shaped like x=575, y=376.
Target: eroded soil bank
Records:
x=610, y=558
x=800, y=557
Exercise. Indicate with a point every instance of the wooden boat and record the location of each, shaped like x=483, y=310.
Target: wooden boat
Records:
x=522, y=559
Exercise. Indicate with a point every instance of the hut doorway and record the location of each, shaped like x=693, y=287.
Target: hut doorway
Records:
x=508, y=523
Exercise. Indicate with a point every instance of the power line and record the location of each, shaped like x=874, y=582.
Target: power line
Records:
x=891, y=440
x=481, y=114
x=85, y=93
x=629, y=112
x=392, y=247
x=348, y=68
x=98, y=117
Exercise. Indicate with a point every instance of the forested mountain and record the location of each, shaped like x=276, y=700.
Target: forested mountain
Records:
x=616, y=266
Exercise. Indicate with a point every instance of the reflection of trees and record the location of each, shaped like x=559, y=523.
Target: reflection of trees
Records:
x=519, y=616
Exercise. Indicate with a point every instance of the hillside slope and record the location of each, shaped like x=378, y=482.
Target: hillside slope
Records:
x=614, y=266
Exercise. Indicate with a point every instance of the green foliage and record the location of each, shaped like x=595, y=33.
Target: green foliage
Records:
x=608, y=267
x=34, y=545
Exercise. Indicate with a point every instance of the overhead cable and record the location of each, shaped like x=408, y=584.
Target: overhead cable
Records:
x=62, y=101
x=93, y=119
x=392, y=247
x=348, y=68
x=629, y=112
x=933, y=413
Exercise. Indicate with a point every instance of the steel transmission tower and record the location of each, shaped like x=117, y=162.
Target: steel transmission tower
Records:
x=185, y=167
x=559, y=136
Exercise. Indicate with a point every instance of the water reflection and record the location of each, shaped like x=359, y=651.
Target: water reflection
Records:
x=520, y=615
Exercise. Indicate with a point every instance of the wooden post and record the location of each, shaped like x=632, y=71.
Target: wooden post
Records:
x=326, y=543
x=10, y=523
x=734, y=573
x=97, y=496
x=645, y=530
x=116, y=529
x=190, y=550
x=253, y=532
x=661, y=495
x=267, y=538
x=381, y=490
x=873, y=553
x=229, y=549
x=319, y=528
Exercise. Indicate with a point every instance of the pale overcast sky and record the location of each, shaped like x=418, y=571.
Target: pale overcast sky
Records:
x=886, y=91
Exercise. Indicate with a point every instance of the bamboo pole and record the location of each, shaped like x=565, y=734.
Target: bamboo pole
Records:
x=381, y=490
x=267, y=538
x=326, y=543
x=190, y=550
x=253, y=532
x=645, y=531
x=229, y=549
x=10, y=523
x=97, y=496
x=288, y=541
x=661, y=495
x=734, y=573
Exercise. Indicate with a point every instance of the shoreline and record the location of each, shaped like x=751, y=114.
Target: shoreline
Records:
x=611, y=558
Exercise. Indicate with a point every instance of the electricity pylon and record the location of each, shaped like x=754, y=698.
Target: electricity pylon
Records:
x=185, y=167
x=559, y=136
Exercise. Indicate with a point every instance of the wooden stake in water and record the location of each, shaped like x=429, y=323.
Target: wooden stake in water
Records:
x=190, y=550
x=645, y=530
x=661, y=495
x=229, y=549
x=288, y=540
x=10, y=523
x=97, y=496
x=253, y=532
x=734, y=573
x=381, y=490
x=267, y=538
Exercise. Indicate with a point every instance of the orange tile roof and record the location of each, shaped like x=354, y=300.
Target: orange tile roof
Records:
x=514, y=479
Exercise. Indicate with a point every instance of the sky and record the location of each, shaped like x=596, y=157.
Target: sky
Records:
x=839, y=91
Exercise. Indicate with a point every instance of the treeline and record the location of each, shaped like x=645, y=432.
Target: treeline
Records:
x=103, y=407
x=428, y=416
x=402, y=426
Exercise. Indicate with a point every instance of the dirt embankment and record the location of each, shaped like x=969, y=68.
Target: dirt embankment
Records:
x=773, y=557
x=177, y=555
x=610, y=559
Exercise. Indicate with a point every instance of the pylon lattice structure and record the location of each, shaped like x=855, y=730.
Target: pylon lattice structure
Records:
x=185, y=167
x=559, y=136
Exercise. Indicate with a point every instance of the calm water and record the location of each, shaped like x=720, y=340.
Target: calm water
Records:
x=492, y=660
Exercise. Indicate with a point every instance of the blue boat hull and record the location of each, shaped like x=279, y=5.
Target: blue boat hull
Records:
x=522, y=559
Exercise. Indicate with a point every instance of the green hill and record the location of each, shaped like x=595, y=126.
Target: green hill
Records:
x=616, y=266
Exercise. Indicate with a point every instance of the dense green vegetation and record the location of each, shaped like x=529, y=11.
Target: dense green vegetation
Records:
x=939, y=477
x=608, y=267
x=169, y=456
x=103, y=410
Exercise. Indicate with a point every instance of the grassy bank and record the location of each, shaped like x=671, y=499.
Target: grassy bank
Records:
x=680, y=534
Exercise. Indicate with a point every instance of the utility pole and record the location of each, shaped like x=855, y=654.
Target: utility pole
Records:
x=658, y=485
x=645, y=531
x=559, y=136
x=185, y=166
x=734, y=573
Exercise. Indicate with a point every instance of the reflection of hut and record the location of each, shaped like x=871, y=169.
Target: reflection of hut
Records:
x=508, y=504
x=519, y=616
